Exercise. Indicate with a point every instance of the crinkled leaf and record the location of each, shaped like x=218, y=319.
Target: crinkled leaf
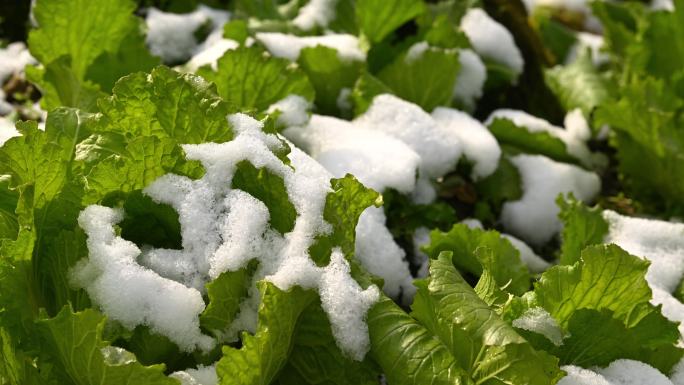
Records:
x=316, y=359
x=166, y=104
x=427, y=80
x=476, y=249
x=329, y=75
x=73, y=344
x=265, y=353
x=226, y=292
x=421, y=359
x=250, y=79
x=379, y=18
x=582, y=226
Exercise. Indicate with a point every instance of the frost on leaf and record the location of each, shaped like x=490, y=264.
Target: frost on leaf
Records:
x=224, y=228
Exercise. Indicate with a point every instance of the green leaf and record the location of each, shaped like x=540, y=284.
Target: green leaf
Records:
x=582, y=226
x=166, y=104
x=236, y=30
x=343, y=207
x=541, y=142
x=73, y=342
x=490, y=349
x=427, y=80
x=270, y=189
x=475, y=250
x=226, y=292
x=611, y=282
x=379, y=18
x=316, y=359
x=328, y=75
x=503, y=185
x=365, y=89
x=264, y=354
x=421, y=359
x=81, y=29
x=144, y=159
x=60, y=86
x=578, y=85
x=250, y=79
x=647, y=120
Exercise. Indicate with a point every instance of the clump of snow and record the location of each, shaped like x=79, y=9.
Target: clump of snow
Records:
x=376, y=159
x=619, y=372
x=130, y=293
x=222, y=229
x=315, y=13
x=492, y=40
x=479, y=145
x=471, y=78
x=171, y=36
x=380, y=255
x=209, y=53
x=288, y=46
x=661, y=242
x=416, y=51
x=343, y=101
x=662, y=5
x=540, y=321
x=592, y=42
x=346, y=304
x=203, y=375
x=574, y=136
x=294, y=110
x=677, y=375
x=13, y=59
x=7, y=130
x=438, y=148
x=534, y=217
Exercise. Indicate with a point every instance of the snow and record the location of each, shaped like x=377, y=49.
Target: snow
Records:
x=471, y=78
x=416, y=51
x=343, y=101
x=662, y=5
x=538, y=320
x=534, y=218
x=438, y=148
x=13, y=59
x=677, y=375
x=223, y=229
x=574, y=136
x=660, y=242
x=171, y=36
x=421, y=237
x=381, y=256
x=209, y=53
x=294, y=110
x=376, y=159
x=288, y=46
x=130, y=293
x=479, y=145
x=7, y=130
x=619, y=372
x=315, y=13
x=535, y=263
x=346, y=304
x=594, y=43
x=203, y=375
x=491, y=40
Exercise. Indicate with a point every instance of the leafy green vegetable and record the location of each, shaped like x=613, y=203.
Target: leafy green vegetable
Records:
x=73, y=341
x=475, y=250
x=378, y=18
x=249, y=78
x=426, y=78
x=582, y=226
x=484, y=344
